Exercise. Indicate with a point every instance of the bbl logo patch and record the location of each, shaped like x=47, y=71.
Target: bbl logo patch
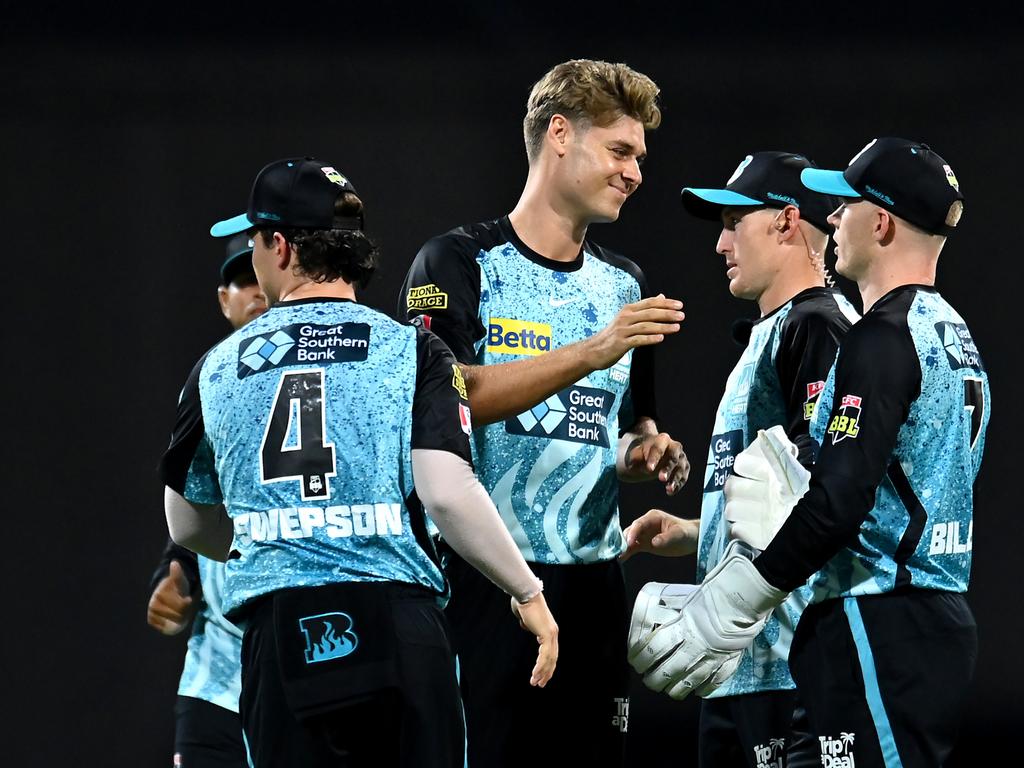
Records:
x=328, y=636
x=813, y=395
x=846, y=423
x=466, y=419
x=951, y=178
x=426, y=297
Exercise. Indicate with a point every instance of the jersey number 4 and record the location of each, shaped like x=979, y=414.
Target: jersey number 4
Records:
x=295, y=443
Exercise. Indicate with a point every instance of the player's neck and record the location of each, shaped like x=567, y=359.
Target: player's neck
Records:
x=307, y=289
x=891, y=272
x=786, y=286
x=547, y=227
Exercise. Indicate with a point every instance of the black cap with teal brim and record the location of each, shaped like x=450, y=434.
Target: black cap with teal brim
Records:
x=904, y=177
x=763, y=179
x=238, y=259
x=299, y=193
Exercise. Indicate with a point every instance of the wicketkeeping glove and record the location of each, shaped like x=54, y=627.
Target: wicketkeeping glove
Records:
x=767, y=484
x=700, y=648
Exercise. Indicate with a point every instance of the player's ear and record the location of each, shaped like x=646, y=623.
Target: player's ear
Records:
x=559, y=132
x=885, y=226
x=787, y=223
x=222, y=297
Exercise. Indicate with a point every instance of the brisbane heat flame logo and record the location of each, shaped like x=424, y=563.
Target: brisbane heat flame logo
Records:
x=328, y=636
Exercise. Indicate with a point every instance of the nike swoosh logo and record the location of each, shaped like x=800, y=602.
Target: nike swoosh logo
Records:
x=560, y=302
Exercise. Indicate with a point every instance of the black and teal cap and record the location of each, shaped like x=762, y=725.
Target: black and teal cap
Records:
x=238, y=259
x=904, y=177
x=764, y=179
x=294, y=193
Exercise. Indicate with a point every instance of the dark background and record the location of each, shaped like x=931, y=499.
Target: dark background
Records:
x=126, y=132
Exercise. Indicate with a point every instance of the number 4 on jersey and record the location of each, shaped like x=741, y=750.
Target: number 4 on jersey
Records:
x=294, y=443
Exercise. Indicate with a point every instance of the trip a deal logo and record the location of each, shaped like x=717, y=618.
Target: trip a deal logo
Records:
x=577, y=414
x=506, y=336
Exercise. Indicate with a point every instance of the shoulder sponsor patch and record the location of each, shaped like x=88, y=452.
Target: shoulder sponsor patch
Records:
x=846, y=423
x=427, y=296
x=459, y=382
x=961, y=351
x=577, y=414
x=813, y=395
x=303, y=343
x=506, y=336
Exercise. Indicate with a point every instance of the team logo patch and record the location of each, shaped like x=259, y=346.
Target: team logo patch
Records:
x=961, y=351
x=303, y=343
x=518, y=337
x=620, y=371
x=426, y=297
x=724, y=448
x=813, y=395
x=739, y=169
x=328, y=636
x=577, y=414
x=334, y=177
x=951, y=178
x=846, y=423
x=458, y=382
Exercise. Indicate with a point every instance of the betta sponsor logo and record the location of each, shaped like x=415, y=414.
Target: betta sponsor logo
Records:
x=506, y=336
x=814, y=390
x=846, y=423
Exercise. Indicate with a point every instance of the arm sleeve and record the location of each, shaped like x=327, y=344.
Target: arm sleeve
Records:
x=806, y=353
x=443, y=288
x=187, y=465
x=441, y=418
x=640, y=400
x=878, y=377
x=469, y=521
x=189, y=564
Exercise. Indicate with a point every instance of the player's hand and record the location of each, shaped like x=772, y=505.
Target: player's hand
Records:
x=636, y=325
x=657, y=456
x=660, y=533
x=170, y=606
x=535, y=617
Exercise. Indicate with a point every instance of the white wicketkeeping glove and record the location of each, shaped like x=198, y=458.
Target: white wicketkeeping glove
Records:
x=700, y=648
x=767, y=484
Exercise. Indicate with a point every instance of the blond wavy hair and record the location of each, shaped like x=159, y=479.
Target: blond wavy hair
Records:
x=589, y=92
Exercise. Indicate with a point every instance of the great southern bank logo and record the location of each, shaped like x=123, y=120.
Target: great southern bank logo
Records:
x=961, y=351
x=328, y=636
x=577, y=414
x=303, y=343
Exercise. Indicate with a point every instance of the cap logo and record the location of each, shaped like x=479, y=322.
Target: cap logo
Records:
x=856, y=157
x=739, y=169
x=782, y=198
x=951, y=178
x=334, y=177
x=266, y=215
x=251, y=243
x=880, y=195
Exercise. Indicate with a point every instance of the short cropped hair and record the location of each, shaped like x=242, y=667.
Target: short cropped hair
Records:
x=591, y=93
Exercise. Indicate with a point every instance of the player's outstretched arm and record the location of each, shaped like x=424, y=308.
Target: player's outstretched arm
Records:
x=171, y=607
x=660, y=533
x=498, y=392
x=471, y=525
